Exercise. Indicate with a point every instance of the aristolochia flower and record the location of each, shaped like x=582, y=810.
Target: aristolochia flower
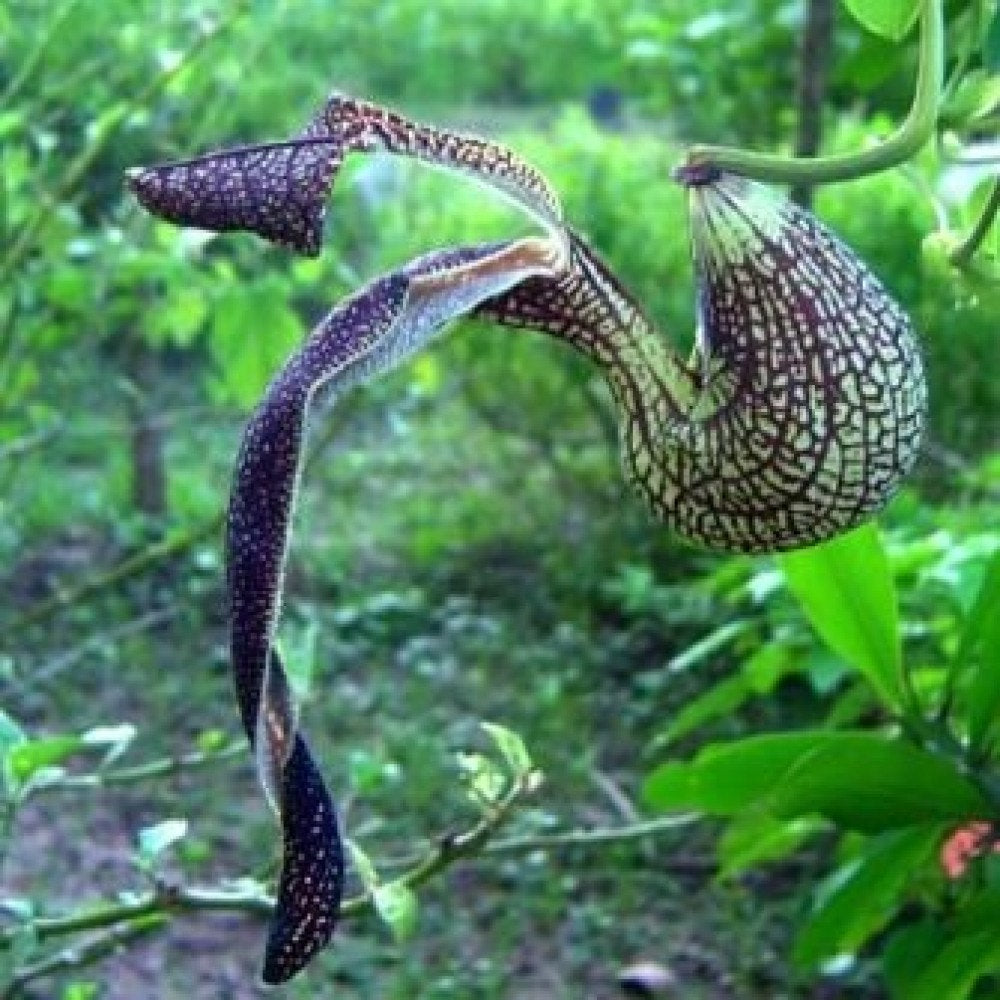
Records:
x=797, y=416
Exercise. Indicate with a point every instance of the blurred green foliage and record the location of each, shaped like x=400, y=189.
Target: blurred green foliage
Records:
x=471, y=550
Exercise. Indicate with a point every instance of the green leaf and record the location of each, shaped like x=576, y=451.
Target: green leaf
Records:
x=719, y=700
x=80, y=991
x=907, y=953
x=511, y=747
x=755, y=837
x=155, y=839
x=11, y=734
x=978, y=913
x=846, y=590
x=874, y=61
x=860, y=898
x=953, y=972
x=858, y=779
x=69, y=288
x=116, y=739
x=253, y=332
x=177, y=318
x=889, y=18
x=991, y=45
x=31, y=756
x=483, y=777
x=979, y=647
x=759, y=675
x=396, y=904
x=866, y=782
x=708, y=646
x=726, y=778
x=211, y=740
x=976, y=96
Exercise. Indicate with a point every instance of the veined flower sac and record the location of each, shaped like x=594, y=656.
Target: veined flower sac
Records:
x=812, y=398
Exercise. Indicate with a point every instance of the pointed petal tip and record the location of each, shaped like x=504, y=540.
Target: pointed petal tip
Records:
x=290, y=948
x=142, y=182
x=134, y=178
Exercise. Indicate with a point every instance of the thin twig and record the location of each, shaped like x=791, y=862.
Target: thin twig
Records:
x=452, y=848
x=164, y=767
x=154, y=909
x=622, y=803
x=592, y=838
x=125, y=570
x=165, y=899
x=57, y=665
x=83, y=953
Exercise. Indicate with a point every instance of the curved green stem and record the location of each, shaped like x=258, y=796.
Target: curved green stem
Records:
x=967, y=249
x=916, y=129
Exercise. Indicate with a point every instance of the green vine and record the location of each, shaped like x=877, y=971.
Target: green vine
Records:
x=915, y=131
x=966, y=250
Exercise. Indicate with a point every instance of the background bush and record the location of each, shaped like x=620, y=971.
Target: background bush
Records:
x=466, y=548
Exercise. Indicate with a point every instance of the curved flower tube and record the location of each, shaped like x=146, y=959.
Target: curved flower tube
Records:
x=388, y=320
x=797, y=416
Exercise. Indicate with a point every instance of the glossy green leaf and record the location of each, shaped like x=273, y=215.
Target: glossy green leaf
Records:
x=11, y=734
x=719, y=700
x=484, y=779
x=117, y=736
x=906, y=953
x=891, y=19
x=363, y=866
x=726, y=778
x=857, y=779
x=80, y=991
x=708, y=646
x=866, y=782
x=979, y=648
x=863, y=895
x=846, y=590
x=956, y=968
x=113, y=740
x=297, y=647
x=976, y=96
